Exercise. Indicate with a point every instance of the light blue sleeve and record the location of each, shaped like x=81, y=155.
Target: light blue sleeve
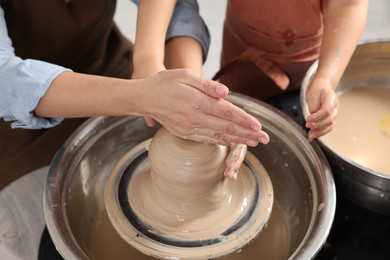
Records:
x=22, y=84
x=186, y=21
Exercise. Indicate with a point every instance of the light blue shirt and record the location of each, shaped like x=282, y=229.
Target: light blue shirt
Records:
x=24, y=82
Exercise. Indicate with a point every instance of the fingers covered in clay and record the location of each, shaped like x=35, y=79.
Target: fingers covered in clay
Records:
x=234, y=161
x=193, y=108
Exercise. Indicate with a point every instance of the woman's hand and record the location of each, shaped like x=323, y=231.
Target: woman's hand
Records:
x=323, y=106
x=193, y=108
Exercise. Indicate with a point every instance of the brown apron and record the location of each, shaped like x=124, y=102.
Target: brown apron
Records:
x=77, y=34
x=269, y=45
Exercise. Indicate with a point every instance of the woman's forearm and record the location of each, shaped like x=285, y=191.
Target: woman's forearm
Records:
x=80, y=95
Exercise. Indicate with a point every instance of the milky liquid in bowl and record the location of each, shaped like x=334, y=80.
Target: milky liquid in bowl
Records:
x=360, y=131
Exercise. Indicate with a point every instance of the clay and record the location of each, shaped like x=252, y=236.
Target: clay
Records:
x=184, y=192
x=360, y=132
x=180, y=205
x=107, y=244
x=273, y=243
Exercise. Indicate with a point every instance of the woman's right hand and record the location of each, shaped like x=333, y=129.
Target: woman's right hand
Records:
x=193, y=108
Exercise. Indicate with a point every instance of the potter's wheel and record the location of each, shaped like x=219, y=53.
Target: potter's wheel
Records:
x=194, y=239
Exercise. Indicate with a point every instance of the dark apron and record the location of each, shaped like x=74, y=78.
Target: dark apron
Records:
x=269, y=45
x=79, y=35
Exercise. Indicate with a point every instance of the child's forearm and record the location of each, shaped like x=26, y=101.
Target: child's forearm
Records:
x=344, y=23
x=152, y=24
x=184, y=52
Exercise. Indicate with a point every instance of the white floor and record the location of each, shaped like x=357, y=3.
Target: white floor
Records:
x=20, y=232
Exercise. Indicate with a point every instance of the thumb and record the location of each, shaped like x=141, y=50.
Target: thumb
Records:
x=313, y=102
x=214, y=89
x=207, y=86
